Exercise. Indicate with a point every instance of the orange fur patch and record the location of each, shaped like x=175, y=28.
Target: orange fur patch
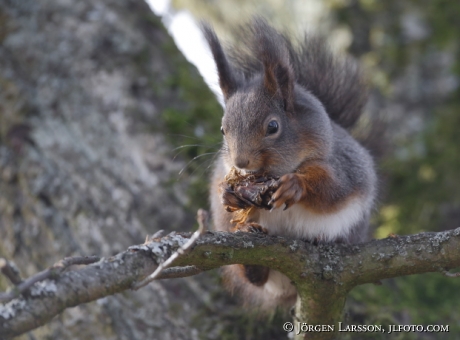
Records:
x=320, y=189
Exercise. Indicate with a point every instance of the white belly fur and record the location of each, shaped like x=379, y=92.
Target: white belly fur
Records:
x=300, y=223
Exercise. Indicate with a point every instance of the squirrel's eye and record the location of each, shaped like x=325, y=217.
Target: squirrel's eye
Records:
x=272, y=127
x=222, y=130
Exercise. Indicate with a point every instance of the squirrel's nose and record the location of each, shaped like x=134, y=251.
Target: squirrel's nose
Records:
x=241, y=163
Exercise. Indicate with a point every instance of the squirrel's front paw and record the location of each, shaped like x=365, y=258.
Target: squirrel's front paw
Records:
x=250, y=227
x=231, y=201
x=290, y=191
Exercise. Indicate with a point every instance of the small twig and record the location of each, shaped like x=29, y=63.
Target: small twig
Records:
x=202, y=218
x=54, y=270
x=175, y=272
x=10, y=270
x=77, y=260
x=158, y=234
x=449, y=274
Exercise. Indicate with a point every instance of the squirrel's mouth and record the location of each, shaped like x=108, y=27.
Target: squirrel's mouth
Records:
x=251, y=172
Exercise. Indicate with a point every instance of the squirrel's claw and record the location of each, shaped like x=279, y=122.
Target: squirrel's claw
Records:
x=287, y=205
x=250, y=227
x=289, y=192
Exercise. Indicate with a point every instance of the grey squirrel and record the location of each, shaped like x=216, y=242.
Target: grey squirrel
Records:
x=287, y=109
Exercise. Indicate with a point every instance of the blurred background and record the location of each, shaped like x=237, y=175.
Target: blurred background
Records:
x=410, y=51
x=107, y=134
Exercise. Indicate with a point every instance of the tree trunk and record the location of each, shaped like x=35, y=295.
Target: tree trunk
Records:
x=83, y=157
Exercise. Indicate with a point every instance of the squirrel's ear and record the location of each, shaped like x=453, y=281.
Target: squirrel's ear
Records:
x=274, y=54
x=227, y=80
x=279, y=77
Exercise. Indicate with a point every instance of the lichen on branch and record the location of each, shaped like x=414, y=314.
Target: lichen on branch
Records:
x=337, y=267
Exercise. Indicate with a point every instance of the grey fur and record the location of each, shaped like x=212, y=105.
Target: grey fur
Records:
x=312, y=96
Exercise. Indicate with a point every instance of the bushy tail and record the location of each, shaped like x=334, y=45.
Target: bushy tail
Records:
x=337, y=82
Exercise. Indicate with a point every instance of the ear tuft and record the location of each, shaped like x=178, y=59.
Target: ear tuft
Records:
x=274, y=54
x=227, y=79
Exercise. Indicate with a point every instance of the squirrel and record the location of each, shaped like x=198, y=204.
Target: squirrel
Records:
x=287, y=111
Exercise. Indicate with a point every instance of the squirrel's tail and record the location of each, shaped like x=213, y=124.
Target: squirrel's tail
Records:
x=337, y=82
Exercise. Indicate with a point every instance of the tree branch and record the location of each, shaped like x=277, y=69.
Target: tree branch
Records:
x=23, y=286
x=10, y=270
x=202, y=218
x=339, y=268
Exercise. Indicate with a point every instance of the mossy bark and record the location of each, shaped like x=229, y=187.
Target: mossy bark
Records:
x=322, y=274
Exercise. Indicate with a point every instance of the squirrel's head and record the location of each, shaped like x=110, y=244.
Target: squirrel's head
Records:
x=270, y=124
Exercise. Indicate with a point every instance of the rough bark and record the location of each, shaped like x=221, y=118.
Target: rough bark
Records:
x=84, y=167
x=323, y=274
